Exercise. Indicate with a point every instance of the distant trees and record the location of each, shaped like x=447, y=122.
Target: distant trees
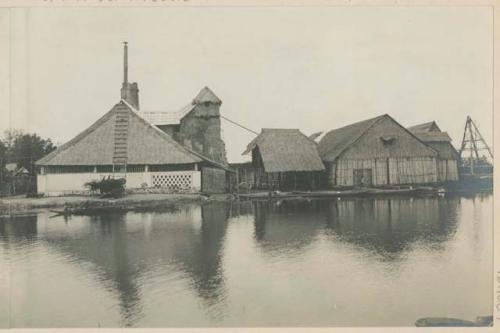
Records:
x=24, y=149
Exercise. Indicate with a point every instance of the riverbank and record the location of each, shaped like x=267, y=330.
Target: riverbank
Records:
x=21, y=205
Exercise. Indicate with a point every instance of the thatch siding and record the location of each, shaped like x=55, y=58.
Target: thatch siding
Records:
x=370, y=145
x=375, y=152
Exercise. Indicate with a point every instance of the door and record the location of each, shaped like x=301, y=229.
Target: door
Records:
x=362, y=177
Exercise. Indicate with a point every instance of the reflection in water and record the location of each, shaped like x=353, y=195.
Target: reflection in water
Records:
x=387, y=226
x=135, y=256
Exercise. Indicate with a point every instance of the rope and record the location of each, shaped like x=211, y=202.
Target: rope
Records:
x=239, y=125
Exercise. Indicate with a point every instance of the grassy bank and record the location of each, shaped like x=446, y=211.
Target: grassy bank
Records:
x=21, y=205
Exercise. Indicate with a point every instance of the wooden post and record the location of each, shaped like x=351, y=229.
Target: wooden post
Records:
x=237, y=184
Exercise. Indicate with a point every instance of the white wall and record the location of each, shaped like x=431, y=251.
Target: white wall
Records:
x=74, y=183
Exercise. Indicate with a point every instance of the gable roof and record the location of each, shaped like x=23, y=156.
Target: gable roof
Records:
x=145, y=144
x=433, y=136
x=206, y=95
x=285, y=150
x=425, y=127
x=337, y=141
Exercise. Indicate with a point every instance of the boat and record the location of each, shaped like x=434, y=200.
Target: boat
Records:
x=330, y=193
x=475, y=171
x=454, y=322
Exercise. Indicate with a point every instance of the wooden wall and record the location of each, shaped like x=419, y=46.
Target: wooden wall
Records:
x=213, y=180
x=415, y=170
x=447, y=170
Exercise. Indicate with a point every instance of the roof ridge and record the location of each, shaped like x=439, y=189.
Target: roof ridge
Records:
x=159, y=131
x=369, y=122
x=78, y=137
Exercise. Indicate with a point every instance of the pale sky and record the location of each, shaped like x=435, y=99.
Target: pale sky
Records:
x=312, y=68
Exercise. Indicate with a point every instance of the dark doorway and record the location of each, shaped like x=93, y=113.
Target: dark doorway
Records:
x=362, y=177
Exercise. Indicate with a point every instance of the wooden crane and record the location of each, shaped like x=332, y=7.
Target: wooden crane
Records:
x=472, y=143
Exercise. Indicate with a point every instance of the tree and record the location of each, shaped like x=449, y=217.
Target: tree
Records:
x=26, y=149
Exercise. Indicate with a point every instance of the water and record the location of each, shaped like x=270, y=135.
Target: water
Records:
x=349, y=262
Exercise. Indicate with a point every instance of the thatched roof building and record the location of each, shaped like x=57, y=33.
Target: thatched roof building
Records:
x=431, y=134
x=121, y=136
x=284, y=158
x=376, y=151
x=284, y=150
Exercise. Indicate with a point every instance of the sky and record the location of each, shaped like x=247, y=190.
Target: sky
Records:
x=313, y=68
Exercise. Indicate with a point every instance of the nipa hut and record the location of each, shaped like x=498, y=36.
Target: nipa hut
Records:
x=375, y=152
x=447, y=161
x=285, y=159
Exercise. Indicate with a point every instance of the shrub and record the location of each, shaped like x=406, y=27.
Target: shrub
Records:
x=108, y=187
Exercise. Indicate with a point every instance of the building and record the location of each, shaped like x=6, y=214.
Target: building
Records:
x=124, y=143
x=119, y=144
x=285, y=159
x=447, y=161
x=197, y=125
x=375, y=152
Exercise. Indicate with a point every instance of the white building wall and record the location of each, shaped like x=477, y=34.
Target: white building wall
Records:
x=74, y=183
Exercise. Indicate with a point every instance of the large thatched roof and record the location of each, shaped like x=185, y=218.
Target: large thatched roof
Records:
x=145, y=144
x=336, y=141
x=284, y=150
x=339, y=140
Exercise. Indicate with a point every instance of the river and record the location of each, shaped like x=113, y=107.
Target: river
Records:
x=348, y=262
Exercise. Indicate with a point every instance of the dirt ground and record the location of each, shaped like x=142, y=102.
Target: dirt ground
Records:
x=21, y=204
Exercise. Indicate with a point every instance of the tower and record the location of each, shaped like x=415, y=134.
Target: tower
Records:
x=129, y=91
x=200, y=129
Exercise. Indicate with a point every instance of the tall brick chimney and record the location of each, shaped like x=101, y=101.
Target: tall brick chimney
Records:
x=129, y=91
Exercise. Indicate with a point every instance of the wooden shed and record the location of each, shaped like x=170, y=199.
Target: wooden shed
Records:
x=447, y=161
x=285, y=159
x=376, y=152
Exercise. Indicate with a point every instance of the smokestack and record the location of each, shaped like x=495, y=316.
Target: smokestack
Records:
x=130, y=91
x=125, y=62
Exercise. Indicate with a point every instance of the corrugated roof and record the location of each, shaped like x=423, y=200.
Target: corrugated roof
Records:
x=159, y=118
x=146, y=144
x=425, y=127
x=206, y=95
x=285, y=150
x=336, y=141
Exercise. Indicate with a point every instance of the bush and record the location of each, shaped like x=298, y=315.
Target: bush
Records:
x=108, y=187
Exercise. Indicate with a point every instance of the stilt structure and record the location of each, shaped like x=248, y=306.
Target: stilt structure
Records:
x=472, y=162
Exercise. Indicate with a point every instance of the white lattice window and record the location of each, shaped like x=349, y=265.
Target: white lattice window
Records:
x=173, y=180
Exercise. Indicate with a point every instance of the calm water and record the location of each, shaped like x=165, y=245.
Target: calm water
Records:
x=319, y=263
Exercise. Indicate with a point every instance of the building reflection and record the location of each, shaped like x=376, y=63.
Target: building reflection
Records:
x=384, y=225
x=124, y=248
x=287, y=226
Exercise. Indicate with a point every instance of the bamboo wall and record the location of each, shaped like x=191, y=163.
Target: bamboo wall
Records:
x=414, y=170
x=447, y=170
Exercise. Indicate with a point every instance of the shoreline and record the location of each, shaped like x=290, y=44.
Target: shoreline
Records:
x=21, y=205
x=85, y=204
